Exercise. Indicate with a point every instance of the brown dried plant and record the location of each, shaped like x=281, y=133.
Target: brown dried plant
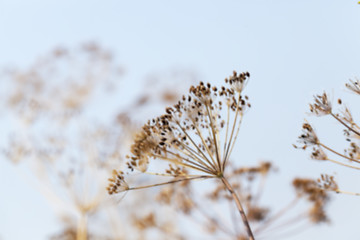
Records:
x=188, y=138
x=192, y=141
x=350, y=157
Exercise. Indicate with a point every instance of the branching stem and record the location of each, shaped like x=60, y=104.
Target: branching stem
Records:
x=239, y=206
x=343, y=123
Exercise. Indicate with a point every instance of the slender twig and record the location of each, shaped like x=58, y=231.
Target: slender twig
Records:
x=232, y=133
x=239, y=206
x=81, y=233
x=227, y=154
x=343, y=164
x=194, y=144
x=278, y=215
x=169, y=182
x=346, y=192
x=343, y=123
x=215, y=138
x=236, y=135
x=339, y=154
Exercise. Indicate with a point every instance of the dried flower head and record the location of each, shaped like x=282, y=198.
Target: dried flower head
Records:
x=322, y=105
x=354, y=86
x=188, y=135
x=318, y=154
x=309, y=137
x=117, y=183
x=238, y=82
x=353, y=151
x=328, y=183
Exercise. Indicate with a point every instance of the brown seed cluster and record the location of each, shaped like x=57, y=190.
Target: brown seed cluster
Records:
x=353, y=151
x=328, y=183
x=187, y=135
x=322, y=105
x=117, y=183
x=309, y=136
x=309, y=189
x=257, y=214
x=354, y=86
x=238, y=81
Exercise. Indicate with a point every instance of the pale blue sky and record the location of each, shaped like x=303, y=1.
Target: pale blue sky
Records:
x=293, y=49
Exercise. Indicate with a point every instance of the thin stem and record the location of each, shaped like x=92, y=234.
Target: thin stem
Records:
x=349, y=119
x=177, y=162
x=260, y=189
x=286, y=223
x=346, y=192
x=214, y=220
x=169, y=182
x=194, y=144
x=81, y=233
x=171, y=175
x=291, y=232
x=215, y=138
x=339, y=154
x=343, y=123
x=227, y=127
x=206, y=146
x=226, y=154
x=188, y=151
x=239, y=206
x=236, y=135
x=343, y=164
x=278, y=215
x=178, y=156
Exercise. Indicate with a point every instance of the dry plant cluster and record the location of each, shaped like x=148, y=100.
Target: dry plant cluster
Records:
x=320, y=150
x=78, y=156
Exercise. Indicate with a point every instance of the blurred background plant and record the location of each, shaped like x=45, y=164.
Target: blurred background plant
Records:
x=211, y=207
x=322, y=150
x=59, y=129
